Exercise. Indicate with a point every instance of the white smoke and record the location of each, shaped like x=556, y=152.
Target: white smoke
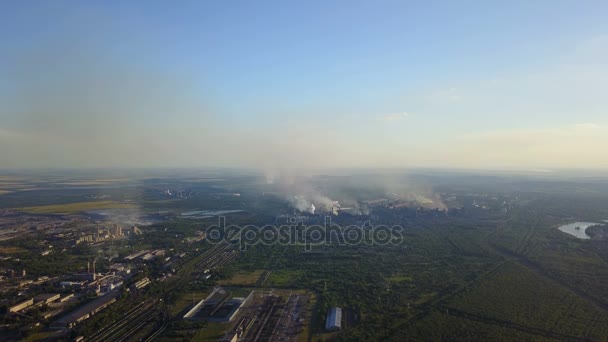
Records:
x=310, y=193
x=310, y=202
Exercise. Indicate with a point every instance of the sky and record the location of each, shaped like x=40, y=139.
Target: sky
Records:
x=304, y=84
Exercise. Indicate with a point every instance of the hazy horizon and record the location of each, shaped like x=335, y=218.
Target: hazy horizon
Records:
x=315, y=85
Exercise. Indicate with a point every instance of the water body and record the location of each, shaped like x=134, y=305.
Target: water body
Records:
x=579, y=233
x=207, y=213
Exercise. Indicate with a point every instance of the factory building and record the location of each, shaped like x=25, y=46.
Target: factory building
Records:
x=46, y=298
x=334, y=319
x=66, y=298
x=69, y=283
x=21, y=306
x=116, y=230
x=120, y=269
x=84, y=312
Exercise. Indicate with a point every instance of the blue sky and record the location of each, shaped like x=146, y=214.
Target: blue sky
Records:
x=310, y=83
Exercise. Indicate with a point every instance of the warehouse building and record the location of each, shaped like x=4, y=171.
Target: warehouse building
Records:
x=21, y=306
x=46, y=298
x=84, y=312
x=334, y=319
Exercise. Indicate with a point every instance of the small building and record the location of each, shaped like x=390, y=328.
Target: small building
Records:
x=334, y=319
x=141, y=283
x=70, y=283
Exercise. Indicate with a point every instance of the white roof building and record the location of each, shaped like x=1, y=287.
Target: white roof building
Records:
x=334, y=319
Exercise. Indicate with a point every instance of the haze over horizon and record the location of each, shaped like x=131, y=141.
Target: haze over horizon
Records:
x=339, y=84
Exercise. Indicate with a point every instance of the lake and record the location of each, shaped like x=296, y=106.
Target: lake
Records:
x=200, y=214
x=579, y=233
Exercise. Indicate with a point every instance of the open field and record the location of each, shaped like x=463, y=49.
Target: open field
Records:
x=77, y=207
x=244, y=278
x=40, y=336
x=9, y=250
x=211, y=332
x=284, y=277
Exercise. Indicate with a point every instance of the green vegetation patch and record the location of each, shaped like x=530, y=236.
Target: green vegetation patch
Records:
x=516, y=296
x=211, y=332
x=442, y=326
x=77, y=207
x=399, y=279
x=244, y=278
x=284, y=277
x=9, y=250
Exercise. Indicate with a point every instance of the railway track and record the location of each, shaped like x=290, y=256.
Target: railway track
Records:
x=129, y=323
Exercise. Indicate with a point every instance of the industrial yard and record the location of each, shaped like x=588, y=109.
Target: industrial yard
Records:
x=271, y=316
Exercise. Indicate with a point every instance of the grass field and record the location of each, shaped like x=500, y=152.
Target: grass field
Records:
x=244, y=278
x=77, y=207
x=12, y=250
x=212, y=332
x=284, y=277
x=40, y=336
x=398, y=279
